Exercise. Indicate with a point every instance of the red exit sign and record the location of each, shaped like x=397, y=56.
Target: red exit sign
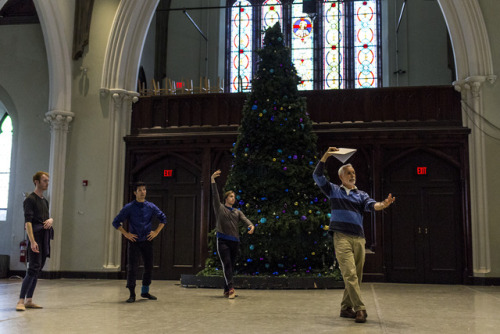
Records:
x=421, y=170
x=168, y=173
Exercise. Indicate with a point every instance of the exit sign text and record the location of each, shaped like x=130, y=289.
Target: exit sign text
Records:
x=168, y=173
x=421, y=170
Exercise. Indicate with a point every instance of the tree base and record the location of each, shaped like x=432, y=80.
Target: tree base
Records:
x=262, y=282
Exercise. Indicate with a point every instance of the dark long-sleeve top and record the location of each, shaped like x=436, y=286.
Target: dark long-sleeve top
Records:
x=36, y=211
x=140, y=216
x=346, y=207
x=227, y=218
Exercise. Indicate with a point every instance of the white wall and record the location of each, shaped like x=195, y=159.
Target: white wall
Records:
x=187, y=49
x=24, y=93
x=148, y=54
x=84, y=207
x=421, y=44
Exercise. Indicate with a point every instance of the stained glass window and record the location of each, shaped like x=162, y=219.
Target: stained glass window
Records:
x=272, y=12
x=302, y=45
x=241, y=46
x=365, y=44
x=333, y=53
x=336, y=47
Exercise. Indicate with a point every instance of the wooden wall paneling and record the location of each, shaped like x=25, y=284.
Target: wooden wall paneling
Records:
x=159, y=116
x=173, y=113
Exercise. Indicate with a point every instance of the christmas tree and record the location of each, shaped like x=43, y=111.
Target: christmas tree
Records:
x=274, y=158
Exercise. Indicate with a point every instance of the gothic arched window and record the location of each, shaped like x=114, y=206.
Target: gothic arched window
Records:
x=335, y=47
x=5, y=152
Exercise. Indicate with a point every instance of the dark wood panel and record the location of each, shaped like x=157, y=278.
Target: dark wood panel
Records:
x=184, y=237
x=423, y=229
x=403, y=256
x=443, y=248
x=384, y=105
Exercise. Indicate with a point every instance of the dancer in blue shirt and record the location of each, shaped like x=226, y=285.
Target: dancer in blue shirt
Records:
x=140, y=214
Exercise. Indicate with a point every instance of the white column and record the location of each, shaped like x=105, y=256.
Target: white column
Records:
x=59, y=127
x=473, y=118
x=119, y=126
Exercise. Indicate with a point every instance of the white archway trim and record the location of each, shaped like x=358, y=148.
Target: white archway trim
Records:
x=474, y=65
x=56, y=33
x=469, y=38
x=118, y=84
x=57, y=23
x=125, y=44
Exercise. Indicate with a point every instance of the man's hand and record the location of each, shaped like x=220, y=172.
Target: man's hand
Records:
x=251, y=229
x=215, y=175
x=329, y=153
x=152, y=235
x=48, y=223
x=130, y=236
x=386, y=202
x=34, y=247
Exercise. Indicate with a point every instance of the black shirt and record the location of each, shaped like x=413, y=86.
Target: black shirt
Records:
x=36, y=211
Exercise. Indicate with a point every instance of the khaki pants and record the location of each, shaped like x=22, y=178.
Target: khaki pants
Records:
x=350, y=252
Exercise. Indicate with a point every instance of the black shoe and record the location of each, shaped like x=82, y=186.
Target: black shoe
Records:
x=148, y=296
x=131, y=299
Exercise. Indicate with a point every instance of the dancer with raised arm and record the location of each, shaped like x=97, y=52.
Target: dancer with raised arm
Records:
x=228, y=239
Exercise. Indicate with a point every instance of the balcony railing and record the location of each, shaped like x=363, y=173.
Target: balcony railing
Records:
x=431, y=105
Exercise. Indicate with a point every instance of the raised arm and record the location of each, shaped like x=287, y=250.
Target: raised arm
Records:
x=318, y=175
x=328, y=153
x=216, y=203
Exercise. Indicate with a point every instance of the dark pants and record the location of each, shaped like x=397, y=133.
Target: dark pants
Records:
x=228, y=251
x=136, y=249
x=36, y=261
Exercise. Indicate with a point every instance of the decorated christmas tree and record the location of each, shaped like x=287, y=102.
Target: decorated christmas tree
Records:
x=273, y=161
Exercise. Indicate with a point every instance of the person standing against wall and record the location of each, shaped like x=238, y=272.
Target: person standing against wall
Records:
x=38, y=226
x=140, y=214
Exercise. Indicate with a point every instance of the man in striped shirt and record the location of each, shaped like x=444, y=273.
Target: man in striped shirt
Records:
x=346, y=222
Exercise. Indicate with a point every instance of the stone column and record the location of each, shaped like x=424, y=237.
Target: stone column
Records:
x=59, y=127
x=473, y=118
x=119, y=126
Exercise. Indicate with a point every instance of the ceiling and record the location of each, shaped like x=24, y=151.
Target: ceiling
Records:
x=17, y=12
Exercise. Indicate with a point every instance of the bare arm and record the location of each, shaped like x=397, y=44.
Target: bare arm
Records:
x=31, y=236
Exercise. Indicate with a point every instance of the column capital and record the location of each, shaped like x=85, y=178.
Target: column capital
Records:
x=473, y=84
x=119, y=95
x=59, y=119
